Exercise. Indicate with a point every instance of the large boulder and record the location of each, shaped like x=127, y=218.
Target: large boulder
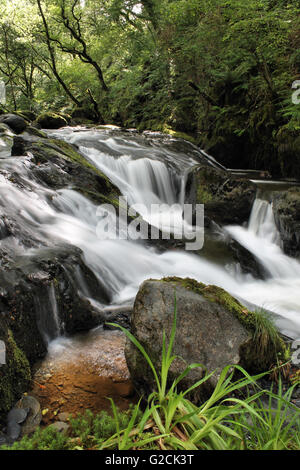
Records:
x=58, y=165
x=16, y=123
x=213, y=329
x=228, y=199
x=51, y=121
x=286, y=207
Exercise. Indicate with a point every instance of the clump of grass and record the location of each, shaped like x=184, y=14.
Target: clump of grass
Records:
x=266, y=334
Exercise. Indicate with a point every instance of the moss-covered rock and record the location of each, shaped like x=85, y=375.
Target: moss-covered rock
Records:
x=16, y=123
x=51, y=121
x=213, y=329
x=227, y=199
x=58, y=164
x=36, y=132
x=286, y=207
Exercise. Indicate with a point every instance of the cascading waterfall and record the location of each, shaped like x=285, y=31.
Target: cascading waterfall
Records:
x=48, y=321
x=279, y=292
x=145, y=175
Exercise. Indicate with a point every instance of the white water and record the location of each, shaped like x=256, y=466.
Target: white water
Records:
x=280, y=292
x=121, y=265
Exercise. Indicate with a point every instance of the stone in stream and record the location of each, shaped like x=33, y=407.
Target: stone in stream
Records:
x=286, y=207
x=16, y=123
x=228, y=199
x=51, y=121
x=213, y=329
x=34, y=414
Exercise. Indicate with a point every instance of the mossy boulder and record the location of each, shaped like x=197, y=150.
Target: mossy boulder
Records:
x=213, y=329
x=15, y=375
x=36, y=132
x=286, y=207
x=51, y=121
x=60, y=165
x=227, y=199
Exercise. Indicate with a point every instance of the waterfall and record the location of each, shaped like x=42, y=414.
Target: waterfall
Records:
x=262, y=222
x=145, y=175
x=48, y=314
x=279, y=292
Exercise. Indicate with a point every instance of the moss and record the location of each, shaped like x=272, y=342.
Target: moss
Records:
x=69, y=152
x=60, y=149
x=99, y=198
x=51, y=120
x=203, y=196
x=179, y=135
x=266, y=346
x=15, y=375
x=220, y=296
x=37, y=132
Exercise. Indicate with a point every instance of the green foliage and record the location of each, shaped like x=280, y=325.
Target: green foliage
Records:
x=47, y=439
x=15, y=375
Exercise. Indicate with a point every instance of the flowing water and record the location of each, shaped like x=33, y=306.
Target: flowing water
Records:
x=148, y=171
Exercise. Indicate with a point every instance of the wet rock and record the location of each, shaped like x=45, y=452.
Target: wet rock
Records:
x=227, y=199
x=58, y=165
x=33, y=283
x=18, y=148
x=247, y=261
x=51, y=121
x=213, y=329
x=220, y=247
x=16, y=123
x=14, y=420
x=83, y=114
x=33, y=419
x=39, y=290
x=36, y=132
x=286, y=207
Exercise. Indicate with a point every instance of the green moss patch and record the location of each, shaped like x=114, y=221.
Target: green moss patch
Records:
x=266, y=347
x=15, y=375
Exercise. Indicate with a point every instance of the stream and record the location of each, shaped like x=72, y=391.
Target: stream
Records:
x=156, y=175
x=147, y=171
